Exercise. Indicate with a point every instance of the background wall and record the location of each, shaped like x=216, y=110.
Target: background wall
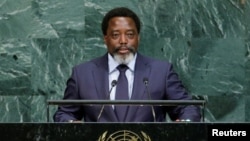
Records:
x=208, y=41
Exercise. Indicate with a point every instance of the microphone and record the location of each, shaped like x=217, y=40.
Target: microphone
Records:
x=113, y=83
x=145, y=81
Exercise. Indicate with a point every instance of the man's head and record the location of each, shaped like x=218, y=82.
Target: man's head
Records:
x=121, y=28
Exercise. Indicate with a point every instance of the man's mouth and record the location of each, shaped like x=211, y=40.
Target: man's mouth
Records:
x=123, y=50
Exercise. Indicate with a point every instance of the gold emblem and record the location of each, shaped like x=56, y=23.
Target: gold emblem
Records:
x=124, y=135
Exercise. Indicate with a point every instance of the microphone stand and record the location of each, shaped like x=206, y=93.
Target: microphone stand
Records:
x=113, y=83
x=145, y=80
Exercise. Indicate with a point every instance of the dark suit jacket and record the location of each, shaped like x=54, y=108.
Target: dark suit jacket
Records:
x=89, y=80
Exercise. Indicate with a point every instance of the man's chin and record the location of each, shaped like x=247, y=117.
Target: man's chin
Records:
x=123, y=58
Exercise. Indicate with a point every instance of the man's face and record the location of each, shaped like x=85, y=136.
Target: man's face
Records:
x=122, y=39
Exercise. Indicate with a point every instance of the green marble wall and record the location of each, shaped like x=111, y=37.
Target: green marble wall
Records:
x=208, y=41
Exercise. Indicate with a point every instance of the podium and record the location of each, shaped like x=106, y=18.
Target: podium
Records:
x=101, y=131
x=118, y=131
x=144, y=131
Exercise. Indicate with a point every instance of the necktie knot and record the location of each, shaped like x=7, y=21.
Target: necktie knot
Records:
x=122, y=68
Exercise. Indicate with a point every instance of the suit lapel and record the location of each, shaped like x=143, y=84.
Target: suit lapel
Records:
x=100, y=74
x=142, y=70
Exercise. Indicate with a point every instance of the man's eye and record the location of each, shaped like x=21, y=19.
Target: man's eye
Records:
x=130, y=35
x=115, y=36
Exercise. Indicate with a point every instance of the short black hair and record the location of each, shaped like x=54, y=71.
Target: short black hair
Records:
x=120, y=12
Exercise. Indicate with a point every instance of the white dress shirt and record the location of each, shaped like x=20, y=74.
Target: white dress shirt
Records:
x=114, y=73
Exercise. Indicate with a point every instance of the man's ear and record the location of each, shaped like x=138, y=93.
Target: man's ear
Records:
x=104, y=39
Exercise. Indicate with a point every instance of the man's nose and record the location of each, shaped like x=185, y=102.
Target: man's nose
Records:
x=123, y=39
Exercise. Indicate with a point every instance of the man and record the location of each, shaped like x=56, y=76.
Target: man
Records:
x=147, y=79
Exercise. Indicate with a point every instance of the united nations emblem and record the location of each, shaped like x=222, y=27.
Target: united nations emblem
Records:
x=124, y=135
